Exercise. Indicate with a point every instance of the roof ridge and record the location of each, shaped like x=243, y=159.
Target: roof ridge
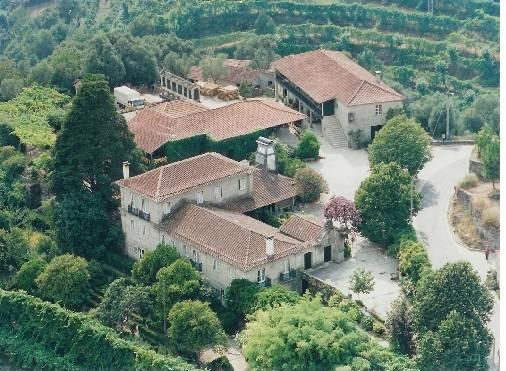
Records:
x=355, y=93
x=306, y=220
x=158, y=183
x=393, y=91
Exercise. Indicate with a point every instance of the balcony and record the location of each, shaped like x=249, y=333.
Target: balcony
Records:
x=141, y=214
x=266, y=283
x=288, y=276
x=197, y=265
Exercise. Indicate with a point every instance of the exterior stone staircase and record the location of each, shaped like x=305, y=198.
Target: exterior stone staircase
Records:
x=333, y=132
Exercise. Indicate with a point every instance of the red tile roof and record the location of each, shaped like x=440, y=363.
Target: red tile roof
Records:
x=268, y=188
x=231, y=237
x=302, y=228
x=326, y=75
x=182, y=176
x=154, y=126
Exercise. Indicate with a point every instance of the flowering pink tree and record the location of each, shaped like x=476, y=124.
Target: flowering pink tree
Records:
x=343, y=213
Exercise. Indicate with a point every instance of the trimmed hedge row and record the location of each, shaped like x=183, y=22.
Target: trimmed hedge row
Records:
x=60, y=339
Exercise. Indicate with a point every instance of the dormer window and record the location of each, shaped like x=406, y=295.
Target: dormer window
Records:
x=242, y=184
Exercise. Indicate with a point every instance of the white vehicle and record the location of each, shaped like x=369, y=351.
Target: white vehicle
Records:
x=127, y=97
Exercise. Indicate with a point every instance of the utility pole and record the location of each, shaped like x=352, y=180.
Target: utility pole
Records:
x=448, y=114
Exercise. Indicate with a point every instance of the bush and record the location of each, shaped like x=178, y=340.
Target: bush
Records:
x=310, y=184
x=402, y=235
x=220, y=364
x=469, y=181
x=367, y=323
x=230, y=321
x=29, y=271
x=309, y=147
x=347, y=250
x=413, y=261
x=275, y=296
x=491, y=280
x=240, y=297
x=286, y=163
x=491, y=217
x=378, y=328
x=145, y=270
x=121, y=262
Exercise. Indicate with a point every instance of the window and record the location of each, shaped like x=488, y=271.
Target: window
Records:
x=379, y=109
x=200, y=197
x=132, y=224
x=215, y=265
x=166, y=208
x=242, y=184
x=218, y=192
x=132, y=200
x=286, y=266
x=195, y=256
x=162, y=239
x=261, y=275
x=141, y=253
x=185, y=249
x=222, y=294
x=143, y=205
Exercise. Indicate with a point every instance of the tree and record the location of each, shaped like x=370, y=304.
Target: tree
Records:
x=42, y=73
x=244, y=89
x=176, y=282
x=361, y=281
x=67, y=62
x=310, y=184
x=66, y=281
x=489, y=69
x=103, y=59
x=240, y=296
x=194, y=327
x=413, y=261
x=383, y=200
x=275, y=296
x=121, y=299
x=176, y=64
x=93, y=144
x=264, y=24
x=343, y=212
x=9, y=88
x=400, y=327
x=491, y=158
x=401, y=140
x=13, y=249
x=140, y=66
x=78, y=212
x=460, y=343
x=261, y=59
x=145, y=270
x=308, y=147
x=42, y=43
x=28, y=273
x=455, y=286
x=213, y=67
x=484, y=109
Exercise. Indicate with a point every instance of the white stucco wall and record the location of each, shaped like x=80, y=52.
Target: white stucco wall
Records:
x=365, y=117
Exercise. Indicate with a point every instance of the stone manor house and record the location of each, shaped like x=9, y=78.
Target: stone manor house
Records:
x=332, y=89
x=198, y=205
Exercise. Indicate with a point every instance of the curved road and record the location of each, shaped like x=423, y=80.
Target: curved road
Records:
x=436, y=181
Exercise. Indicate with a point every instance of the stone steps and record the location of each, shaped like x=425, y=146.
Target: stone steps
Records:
x=335, y=135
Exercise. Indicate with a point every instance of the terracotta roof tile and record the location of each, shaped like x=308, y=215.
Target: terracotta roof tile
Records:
x=326, y=75
x=234, y=238
x=268, y=188
x=302, y=228
x=182, y=176
x=153, y=127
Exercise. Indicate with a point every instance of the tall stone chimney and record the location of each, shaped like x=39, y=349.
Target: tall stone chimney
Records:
x=269, y=246
x=378, y=76
x=126, y=170
x=265, y=155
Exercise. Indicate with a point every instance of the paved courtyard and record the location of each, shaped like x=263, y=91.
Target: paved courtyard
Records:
x=364, y=255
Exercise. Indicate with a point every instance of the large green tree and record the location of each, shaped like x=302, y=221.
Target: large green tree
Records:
x=401, y=140
x=145, y=270
x=194, y=327
x=241, y=295
x=400, y=326
x=66, y=281
x=103, y=59
x=93, y=143
x=28, y=273
x=384, y=201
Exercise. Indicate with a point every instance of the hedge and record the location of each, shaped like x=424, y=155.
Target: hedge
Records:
x=70, y=340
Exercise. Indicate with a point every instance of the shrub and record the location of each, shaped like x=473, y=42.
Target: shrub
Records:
x=275, y=296
x=310, y=184
x=491, y=217
x=229, y=321
x=240, y=297
x=66, y=281
x=29, y=271
x=413, y=261
x=491, y=280
x=145, y=270
x=469, y=181
x=378, y=328
x=309, y=147
x=367, y=323
x=479, y=203
x=347, y=250
x=286, y=163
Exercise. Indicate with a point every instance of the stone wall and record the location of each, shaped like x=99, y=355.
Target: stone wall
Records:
x=488, y=234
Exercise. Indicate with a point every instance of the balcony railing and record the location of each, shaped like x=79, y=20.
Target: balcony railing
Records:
x=288, y=276
x=197, y=265
x=266, y=283
x=141, y=214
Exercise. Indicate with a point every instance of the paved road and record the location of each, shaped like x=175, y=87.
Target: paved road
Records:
x=436, y=181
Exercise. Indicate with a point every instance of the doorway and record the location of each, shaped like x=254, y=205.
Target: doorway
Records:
x=374, y=130
x=327, y=254
x=308, y=260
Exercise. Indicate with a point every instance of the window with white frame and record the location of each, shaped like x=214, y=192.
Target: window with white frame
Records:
x=215, y=265
x=242, y=184
x=379, y=109
x=200, y=197
x=143, y=205
x=141, y=253
x=185, y=249
x=286, y=266
x=166, y=208
x=218, y=192
x=261, y=275
x=196, y=257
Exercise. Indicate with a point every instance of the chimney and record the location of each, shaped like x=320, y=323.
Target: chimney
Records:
x=378, y=76
x=265, y=155
x=269, y=246
x=126, y=170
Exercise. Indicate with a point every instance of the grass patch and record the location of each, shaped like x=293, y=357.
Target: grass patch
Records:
x=464, y=226
x=469, y=181
x=491, y=217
